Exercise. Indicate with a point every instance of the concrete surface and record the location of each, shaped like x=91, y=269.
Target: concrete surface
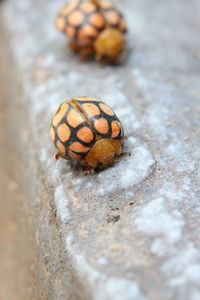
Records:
x=17, y=246
x=132, y=231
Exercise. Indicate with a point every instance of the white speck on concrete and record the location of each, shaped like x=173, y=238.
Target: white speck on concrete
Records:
x=103, y=261
x=161, y=247
x=104, y=287
x=190, y=274
x=179, y=266
x=61, y=202
x=195, y=294
x=183, y=258
x=178, y=193
x=119, y=289
x=183, y=159
x=155, y=220
x=183, y=267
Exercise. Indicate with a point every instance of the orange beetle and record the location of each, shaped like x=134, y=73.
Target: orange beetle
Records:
x=88, y=131
x=93, y=27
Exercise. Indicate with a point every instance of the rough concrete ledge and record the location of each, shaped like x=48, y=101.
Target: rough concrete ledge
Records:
x=132, y=231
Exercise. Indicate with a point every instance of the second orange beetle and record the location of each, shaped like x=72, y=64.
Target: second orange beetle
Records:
x=88, y=131
x=93, y=27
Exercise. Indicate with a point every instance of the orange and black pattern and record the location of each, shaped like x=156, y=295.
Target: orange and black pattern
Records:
x=79, y=123
x=113, y=18
x=84, y=21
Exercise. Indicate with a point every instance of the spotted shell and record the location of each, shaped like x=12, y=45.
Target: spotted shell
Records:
x=79, y=123
x=84, y=21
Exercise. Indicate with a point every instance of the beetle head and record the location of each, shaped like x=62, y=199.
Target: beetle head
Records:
x=110, y=45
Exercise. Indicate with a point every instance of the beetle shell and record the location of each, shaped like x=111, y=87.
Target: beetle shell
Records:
x=83, y=21
x=87, y=130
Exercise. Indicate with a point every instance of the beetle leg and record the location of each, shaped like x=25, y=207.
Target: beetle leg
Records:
x=86, y=52
x=103, y=59
x=74, y=46
x=96, y=2
x=125, y=154
x=88, y=171
x=98, y=57
x=57, y=156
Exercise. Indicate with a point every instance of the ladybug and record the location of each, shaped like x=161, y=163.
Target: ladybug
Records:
x=94, y=28
x=86, y=130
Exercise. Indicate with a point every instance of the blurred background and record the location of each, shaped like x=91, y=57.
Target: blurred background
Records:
x=16, y=247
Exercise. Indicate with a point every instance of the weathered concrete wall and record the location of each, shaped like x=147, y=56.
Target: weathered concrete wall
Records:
x=132, y=231
x=17, y=241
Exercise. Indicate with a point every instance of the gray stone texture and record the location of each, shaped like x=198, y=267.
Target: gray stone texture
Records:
x=130, y=232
